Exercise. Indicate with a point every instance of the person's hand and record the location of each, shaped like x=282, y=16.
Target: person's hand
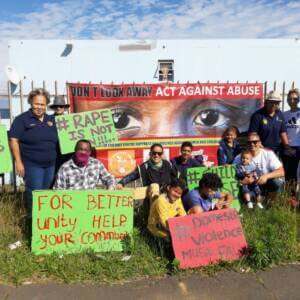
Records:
x=247, y=180
x=289, y=151
x=262, y=179
x=119, y=186
x=220, y=204
x=20, y=169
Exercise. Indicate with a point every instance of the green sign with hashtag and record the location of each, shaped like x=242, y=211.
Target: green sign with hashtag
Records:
x=227, y=175
x=5, y=157
x=96, y=126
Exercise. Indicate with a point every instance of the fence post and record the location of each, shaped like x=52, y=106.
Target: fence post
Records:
x=11, y=119
x=283, y=95
x=55, y=87
x=21, y=96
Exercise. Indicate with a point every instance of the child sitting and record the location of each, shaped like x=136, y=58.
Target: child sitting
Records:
x=167, y=206
x=247, y=168
x=229, y=147
x=202, y=199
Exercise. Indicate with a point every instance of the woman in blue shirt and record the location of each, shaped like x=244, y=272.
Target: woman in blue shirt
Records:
x=33, y=139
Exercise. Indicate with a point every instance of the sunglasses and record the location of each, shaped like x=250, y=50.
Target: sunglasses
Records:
x=59, y=106
x=156, y=153
x=294, y=98
x=253, y=142
x=274, y=102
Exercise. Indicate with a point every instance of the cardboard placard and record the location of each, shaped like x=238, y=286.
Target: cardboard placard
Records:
x=68, y=221
x=96, y=126
x=202, y=239
x=226, y=173
x=5, y=157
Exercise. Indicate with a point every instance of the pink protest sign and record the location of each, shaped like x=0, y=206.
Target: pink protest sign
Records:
x=202, y=239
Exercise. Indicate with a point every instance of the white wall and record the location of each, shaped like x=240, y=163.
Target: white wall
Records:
x=203, y=60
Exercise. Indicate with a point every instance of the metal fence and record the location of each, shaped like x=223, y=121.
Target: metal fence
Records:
x=17, y=99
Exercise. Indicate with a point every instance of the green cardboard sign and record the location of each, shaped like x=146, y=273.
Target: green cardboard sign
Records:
x=68, y=221
x=5, y=157
x=96, y=126
x=226, y=173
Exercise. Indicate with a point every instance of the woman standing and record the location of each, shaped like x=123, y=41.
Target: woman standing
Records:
x=33, y=139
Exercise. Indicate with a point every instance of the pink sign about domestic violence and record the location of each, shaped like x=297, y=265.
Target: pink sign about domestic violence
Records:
x=207, y=238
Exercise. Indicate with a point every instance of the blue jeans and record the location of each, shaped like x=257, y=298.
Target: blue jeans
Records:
x=36, y=178
x=273, y=185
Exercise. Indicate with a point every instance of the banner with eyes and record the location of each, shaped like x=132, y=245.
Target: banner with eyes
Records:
x=169, y=114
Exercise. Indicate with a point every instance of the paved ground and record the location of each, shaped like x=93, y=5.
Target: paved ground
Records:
x=277, y=283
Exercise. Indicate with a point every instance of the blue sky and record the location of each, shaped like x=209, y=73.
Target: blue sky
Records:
x=145, y=19
x=125, y=19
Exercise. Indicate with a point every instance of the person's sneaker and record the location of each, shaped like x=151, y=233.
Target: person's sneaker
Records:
x=250, y=204
x=259, y=205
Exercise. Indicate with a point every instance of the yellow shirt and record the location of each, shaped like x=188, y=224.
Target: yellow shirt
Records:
x=162, y=210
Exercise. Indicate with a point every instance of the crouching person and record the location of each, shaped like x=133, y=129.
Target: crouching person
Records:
x=83, y=172
x=168, y=205
x=207, y=197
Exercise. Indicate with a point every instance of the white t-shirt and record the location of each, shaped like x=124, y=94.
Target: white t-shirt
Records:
x=266, y=161
x=292, y=122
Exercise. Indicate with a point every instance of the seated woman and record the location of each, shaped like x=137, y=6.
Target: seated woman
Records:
x=167, y=206
x=155, y=173
x=207, y=197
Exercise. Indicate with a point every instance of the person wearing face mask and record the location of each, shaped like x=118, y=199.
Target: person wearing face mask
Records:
x=33, y=140
x=83, y=172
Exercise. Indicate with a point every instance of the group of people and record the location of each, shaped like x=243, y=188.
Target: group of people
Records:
x=273, y=138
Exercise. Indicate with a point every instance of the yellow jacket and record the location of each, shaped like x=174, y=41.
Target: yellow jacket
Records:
x=162, y=210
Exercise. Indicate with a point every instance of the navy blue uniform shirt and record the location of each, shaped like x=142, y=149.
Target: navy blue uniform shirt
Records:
x=268, y=128
x=182, y=168
x=37, y=139
x=226, y=154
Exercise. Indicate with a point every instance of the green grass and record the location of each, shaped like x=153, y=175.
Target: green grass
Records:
x=272, y=235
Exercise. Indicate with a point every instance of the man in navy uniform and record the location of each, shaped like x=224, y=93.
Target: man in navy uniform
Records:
x=268, y=122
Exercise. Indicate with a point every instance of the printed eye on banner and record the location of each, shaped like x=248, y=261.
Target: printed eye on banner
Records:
x=169, y=114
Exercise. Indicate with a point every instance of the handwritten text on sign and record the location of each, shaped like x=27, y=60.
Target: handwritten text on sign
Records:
x=96, y=126
x=227, y=175
x=199, y=240
x=73, y=221
x=5, y=157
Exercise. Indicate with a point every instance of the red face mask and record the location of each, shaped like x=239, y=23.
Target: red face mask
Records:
x=81, y=159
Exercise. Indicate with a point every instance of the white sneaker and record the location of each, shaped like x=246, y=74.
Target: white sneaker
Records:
x=250, y=204
x=259, y=205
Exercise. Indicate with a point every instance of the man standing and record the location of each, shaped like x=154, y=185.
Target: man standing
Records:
x=83, y=172
x=292, y=122
x=268, y=165
x=268, y=123
x=59, y=106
